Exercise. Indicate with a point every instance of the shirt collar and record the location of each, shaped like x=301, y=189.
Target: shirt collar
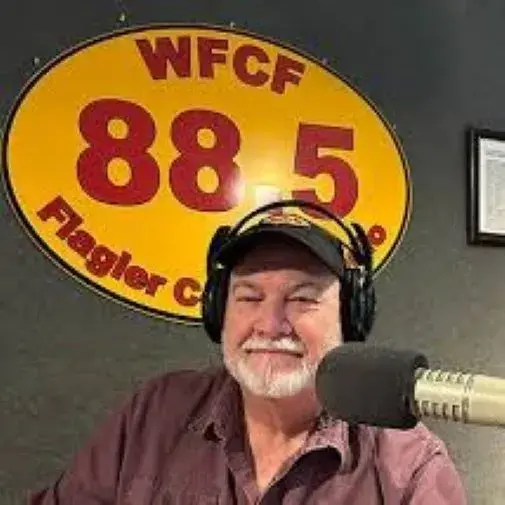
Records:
x=332, y=433
x=222, y=420
x=221, y=417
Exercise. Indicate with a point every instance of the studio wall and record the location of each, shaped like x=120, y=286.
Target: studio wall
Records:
x=68, y=354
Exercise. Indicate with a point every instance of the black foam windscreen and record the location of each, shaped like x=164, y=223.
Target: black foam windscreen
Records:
x=364, y=384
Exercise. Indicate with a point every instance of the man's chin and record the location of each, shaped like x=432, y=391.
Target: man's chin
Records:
x=272, y=367
x=272, y=383
x=278, y=362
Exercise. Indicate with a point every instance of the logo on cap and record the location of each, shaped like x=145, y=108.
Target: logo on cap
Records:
x=285, y=218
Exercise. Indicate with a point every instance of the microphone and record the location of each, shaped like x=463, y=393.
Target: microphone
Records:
x=364, y=384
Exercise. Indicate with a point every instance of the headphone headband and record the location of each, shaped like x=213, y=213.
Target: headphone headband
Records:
x=360, y=247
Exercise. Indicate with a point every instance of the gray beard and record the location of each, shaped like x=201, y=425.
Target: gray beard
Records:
x=271, y=384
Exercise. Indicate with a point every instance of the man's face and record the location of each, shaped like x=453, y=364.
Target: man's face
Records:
x=282, y=317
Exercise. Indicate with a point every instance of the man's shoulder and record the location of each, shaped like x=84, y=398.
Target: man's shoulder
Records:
x=417, y=462
x=180, y=391
x=186, y=377
x=414, y=463
x=418, y=438
x=403, y=452
x=184, y=382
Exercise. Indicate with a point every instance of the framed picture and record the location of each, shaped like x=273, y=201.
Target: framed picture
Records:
x=486, y=187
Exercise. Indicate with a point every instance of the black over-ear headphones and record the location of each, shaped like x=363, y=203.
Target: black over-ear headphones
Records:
x=357, y=293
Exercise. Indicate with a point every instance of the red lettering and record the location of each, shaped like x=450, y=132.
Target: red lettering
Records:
x=81, y=242
x=376, y=234
x=121, y=265
x=157, y=58
x=166, y=54
x=207, y=55
x=240, y=60
x=92, y=165
x=193, y=156
x=180, y=294
x=153, y=283
x=286, y=70
x=61, y=211
x=185, y=168
x=101, y=261
x=135, y=277
x=309, y=163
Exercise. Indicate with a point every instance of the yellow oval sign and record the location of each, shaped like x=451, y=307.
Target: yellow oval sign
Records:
x=124, y=154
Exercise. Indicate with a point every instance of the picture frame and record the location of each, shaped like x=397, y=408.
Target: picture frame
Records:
x=485, y=187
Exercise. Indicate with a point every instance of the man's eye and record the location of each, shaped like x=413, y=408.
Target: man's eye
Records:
x=248, y=298
x=303, y=299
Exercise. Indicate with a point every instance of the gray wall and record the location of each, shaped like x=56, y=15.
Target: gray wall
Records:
x=433, y=66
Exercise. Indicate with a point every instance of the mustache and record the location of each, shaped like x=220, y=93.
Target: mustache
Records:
x=267, y=344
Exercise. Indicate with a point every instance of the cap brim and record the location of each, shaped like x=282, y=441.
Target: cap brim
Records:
x=325, y=249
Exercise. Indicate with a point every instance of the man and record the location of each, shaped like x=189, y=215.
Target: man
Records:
x=253, y=431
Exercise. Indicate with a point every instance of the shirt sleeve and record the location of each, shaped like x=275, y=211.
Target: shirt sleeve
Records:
x=435, y=482
x=415, y=468
x=94, y=472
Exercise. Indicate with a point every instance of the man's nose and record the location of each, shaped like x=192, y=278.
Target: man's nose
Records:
x=273, y=319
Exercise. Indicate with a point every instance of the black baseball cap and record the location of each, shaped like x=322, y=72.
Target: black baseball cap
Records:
x=325, y=246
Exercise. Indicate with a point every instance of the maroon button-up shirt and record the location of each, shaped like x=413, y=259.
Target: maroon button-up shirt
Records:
x=180, y=441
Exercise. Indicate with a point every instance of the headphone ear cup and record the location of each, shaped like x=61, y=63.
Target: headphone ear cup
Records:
x=213, y=303
x=357, y=304
x=213, y=297
x=346, y=306
x=219, y=239
x=369, y=305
